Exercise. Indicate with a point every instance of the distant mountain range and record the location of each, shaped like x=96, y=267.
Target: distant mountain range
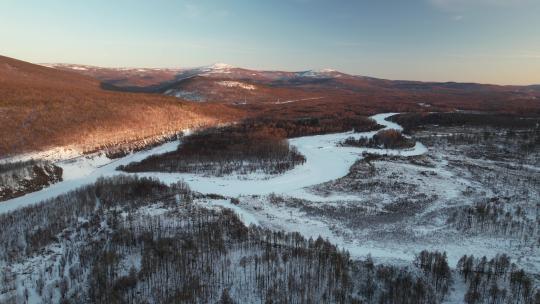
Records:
x=156, y=79
x=312, y=91
x=93, y=107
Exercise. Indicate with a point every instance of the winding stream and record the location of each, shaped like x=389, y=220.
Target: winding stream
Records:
x=325, y=161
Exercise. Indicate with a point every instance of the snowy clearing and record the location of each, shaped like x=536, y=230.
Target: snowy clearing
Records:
x=236, y=84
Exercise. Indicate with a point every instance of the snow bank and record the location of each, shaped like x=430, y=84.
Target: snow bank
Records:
x=246, y=217
x=82, y=171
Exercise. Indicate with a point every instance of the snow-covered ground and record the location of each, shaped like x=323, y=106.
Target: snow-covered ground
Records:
x=360, y=221
x=82, y=171
x=54, y=155
x=236, y=84
x=245, y=216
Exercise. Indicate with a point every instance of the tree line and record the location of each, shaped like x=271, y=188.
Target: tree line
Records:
x=385, y=139
x=496, y=280
x=226, y=150
x=306, y=126
x=415, y=121
x=498, y=217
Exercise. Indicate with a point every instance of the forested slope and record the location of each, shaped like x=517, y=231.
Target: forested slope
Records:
x=41, y=108
x=136, y=240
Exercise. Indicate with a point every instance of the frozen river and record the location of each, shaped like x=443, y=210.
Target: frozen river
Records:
x=325, y=161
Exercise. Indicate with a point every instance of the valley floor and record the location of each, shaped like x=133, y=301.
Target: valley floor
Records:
x=445, y=194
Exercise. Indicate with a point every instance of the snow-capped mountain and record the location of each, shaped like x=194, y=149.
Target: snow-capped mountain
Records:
x=225, y=83
x=323, y=73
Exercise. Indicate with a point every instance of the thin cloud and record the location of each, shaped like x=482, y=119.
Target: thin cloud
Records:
x=459, y=5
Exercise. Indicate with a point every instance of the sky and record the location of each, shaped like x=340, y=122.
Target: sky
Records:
x=486, y=41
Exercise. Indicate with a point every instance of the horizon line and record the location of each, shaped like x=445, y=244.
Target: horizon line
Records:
x=47, y=64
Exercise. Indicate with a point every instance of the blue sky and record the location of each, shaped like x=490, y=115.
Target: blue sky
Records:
x=489, y=41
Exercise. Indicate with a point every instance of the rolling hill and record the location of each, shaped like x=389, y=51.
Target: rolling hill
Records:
x=43, y=108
